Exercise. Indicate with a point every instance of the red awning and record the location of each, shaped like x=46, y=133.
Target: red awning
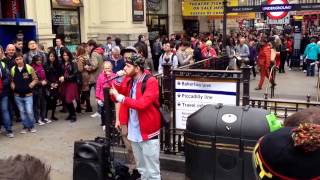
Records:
x=301, y=13
x=72, y=3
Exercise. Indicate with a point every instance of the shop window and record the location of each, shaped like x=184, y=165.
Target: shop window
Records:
x=65, y=24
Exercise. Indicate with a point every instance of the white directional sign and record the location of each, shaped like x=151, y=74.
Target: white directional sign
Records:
x=193, y=93
x=285, y=20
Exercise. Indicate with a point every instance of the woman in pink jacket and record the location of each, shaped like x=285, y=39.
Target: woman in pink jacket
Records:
x=103, y=81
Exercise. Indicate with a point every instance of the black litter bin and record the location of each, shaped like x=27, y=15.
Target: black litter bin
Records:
x=219, y=141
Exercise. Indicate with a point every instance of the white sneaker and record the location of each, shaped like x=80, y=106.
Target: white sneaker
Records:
x=304, y=71
x=40, y=123
x=33, y=130
x=96, y=114
x=23, y=131
x=46, y=120
x=10, y=135
x=290, y=69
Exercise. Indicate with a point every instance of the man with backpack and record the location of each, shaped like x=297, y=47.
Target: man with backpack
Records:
x=139, y=111
x=23, y=80
x=167, y=57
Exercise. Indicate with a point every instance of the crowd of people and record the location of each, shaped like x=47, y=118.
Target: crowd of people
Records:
x=34, y=80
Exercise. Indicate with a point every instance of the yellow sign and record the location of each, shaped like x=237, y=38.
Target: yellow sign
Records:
x=238, y=16
x=297, y=18
x=205, y=7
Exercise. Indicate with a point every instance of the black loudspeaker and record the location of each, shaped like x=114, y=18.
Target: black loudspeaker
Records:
x=90, y=160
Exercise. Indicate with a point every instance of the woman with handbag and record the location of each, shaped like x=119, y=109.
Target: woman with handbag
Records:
x=39, y=95
x=53, y=71
x=69, y=86
x=82, y=59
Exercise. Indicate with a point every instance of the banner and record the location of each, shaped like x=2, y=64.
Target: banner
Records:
x=205, y=8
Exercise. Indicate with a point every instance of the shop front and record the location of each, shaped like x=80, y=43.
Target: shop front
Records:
x=66, y=22
x=207, y=16
x=157, y=18
x=310, y=22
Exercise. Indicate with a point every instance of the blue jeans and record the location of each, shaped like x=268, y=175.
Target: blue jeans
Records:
x=146, y=155
x=310, y=68
x=25, y=106
x=6, y=119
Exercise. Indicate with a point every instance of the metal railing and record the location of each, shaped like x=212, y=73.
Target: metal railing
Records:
x=172, y=139
x=282, y=108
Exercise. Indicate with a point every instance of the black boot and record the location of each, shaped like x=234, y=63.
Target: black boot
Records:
x=73, y=118
x=69, y=117
x=89, y=109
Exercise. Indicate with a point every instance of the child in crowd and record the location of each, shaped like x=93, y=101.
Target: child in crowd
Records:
x=104, y=80
x=39, y=92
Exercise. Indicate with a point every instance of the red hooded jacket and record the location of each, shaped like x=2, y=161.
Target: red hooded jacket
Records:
x=145, y=104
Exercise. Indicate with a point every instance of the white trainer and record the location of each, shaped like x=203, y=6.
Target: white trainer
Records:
x=96, y=114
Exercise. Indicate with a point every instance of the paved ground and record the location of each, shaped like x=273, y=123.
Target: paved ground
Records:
x=53, y=143
x=290, y=85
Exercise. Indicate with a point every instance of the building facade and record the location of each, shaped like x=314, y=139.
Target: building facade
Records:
x=77, y=21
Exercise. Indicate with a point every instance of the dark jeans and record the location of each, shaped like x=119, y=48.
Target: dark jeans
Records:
x=52, y=104
x=252, y=63
x=39, y=103
x=102, y=113
x=71, y=109
x=85, y=98
x=155, y=59
x=283, y=58
x=13, y=107
x=6, y=120
x=310, y=67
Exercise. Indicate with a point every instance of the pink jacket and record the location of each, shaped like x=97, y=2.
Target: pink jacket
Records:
x=102, y=82
x=207, y=54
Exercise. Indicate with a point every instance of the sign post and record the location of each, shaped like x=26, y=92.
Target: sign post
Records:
x=193, y=93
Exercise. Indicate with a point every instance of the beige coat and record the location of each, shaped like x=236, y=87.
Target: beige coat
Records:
x=83, y=60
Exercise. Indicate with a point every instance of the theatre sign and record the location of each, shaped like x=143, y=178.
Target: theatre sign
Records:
x=205, y=7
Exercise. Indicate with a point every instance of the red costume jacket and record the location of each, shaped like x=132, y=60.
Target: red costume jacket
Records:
x=146, y=105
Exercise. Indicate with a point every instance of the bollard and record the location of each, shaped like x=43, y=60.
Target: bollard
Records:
x=308, y=100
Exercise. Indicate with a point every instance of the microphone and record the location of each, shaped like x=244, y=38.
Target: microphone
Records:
x=117, y=76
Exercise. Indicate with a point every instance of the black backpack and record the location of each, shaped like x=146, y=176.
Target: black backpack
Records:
x=165, y=113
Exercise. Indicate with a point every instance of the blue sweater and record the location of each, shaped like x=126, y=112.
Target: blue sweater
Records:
x=312, y=51
x=117, y=65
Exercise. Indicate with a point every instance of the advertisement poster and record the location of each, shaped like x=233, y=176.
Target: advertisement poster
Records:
x=137, y=10
x=191, y=94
